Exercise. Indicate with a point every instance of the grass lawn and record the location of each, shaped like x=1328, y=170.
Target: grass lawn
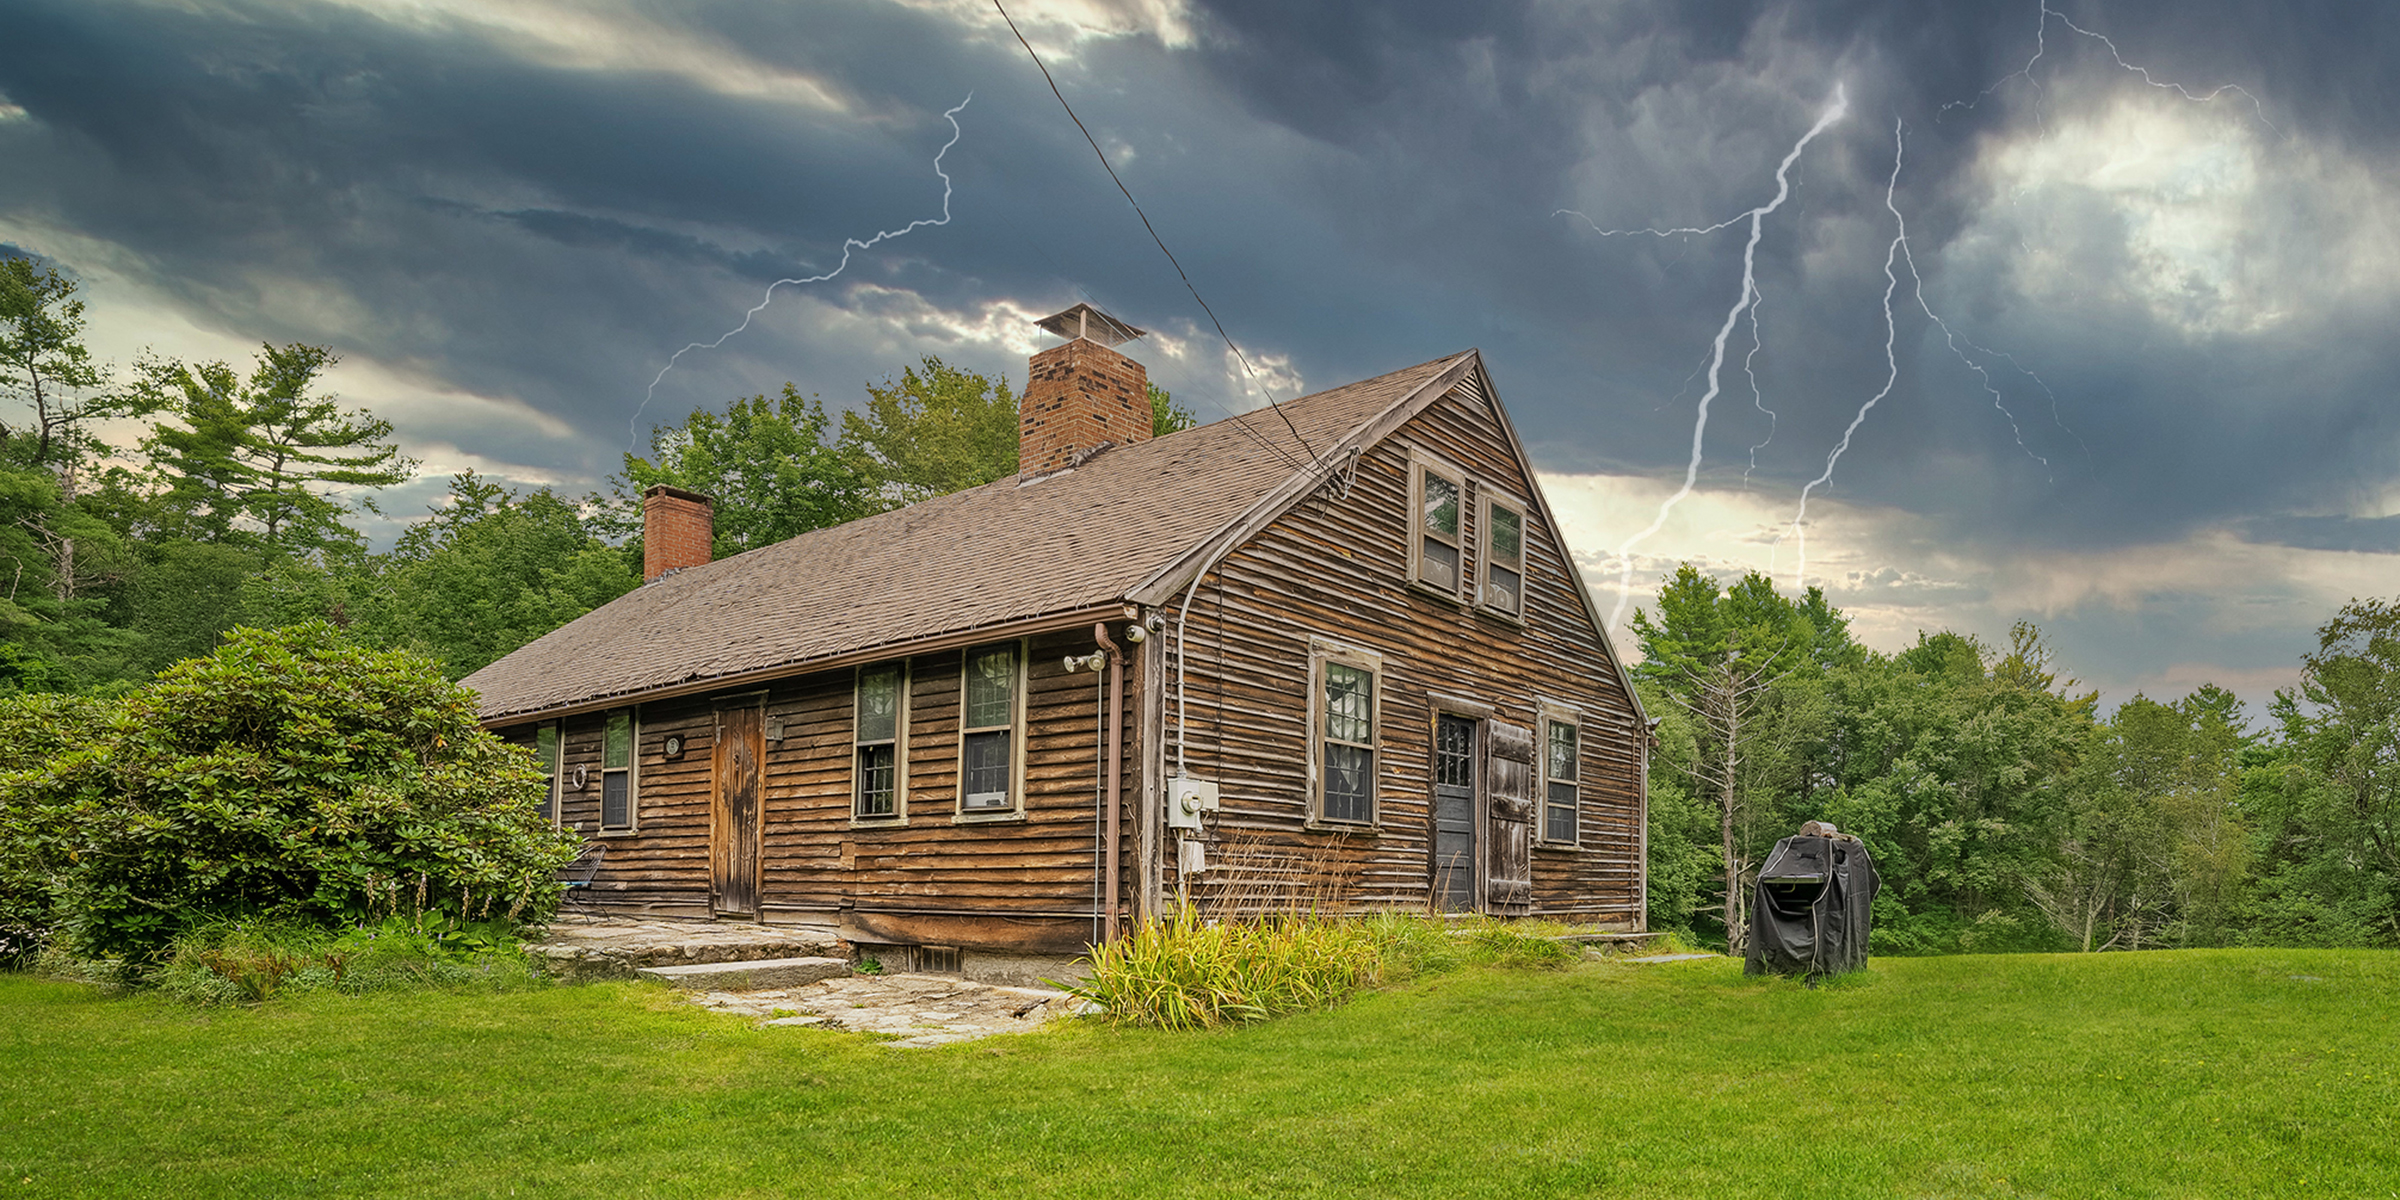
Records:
x=2196, y=1073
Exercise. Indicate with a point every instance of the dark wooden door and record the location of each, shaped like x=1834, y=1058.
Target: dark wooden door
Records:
x=1454, y=813
x=734, y=820
x=1508, y=829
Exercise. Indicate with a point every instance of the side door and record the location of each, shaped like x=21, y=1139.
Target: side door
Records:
x=1454, y=765
x=1508, y=823
x=734, y=811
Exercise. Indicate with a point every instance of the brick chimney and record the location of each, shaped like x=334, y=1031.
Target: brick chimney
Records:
x=677, y=530
x=1081, y=394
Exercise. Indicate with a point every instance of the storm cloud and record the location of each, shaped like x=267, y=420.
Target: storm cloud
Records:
x=2173, y=312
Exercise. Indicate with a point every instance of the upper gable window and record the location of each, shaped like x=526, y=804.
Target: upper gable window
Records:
x=616, y=770
x=1437, y=497
x=876, y=742
x=1503, y=556
x=990, y=721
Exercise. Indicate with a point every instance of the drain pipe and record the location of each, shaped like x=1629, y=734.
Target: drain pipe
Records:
x=1116, y=770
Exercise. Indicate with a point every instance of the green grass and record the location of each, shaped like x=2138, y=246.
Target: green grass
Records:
x=2200, y=1073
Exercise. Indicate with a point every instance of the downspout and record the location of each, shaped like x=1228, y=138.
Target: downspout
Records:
x=1116, y=773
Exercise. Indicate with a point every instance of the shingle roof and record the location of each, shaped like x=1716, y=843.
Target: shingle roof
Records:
x=1010, y=550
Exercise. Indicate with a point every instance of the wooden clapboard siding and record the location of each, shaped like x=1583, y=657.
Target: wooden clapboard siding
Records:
x=816, y=857
x=1336, y=568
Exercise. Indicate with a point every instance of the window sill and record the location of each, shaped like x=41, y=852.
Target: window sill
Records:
x=1366, y=828
x=619, y=833
x=1009, y=817
x=1431, y=592
x=1547, y=844
x=892, y=822
x=1501, y=615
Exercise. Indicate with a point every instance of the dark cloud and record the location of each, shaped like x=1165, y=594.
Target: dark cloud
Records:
x=1358, y=186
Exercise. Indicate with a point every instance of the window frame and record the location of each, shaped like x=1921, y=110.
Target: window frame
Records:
x=553, y=765
x=1420, y=465
x=1489, y=499
x=1545, y=716
x=632, y=770
x=1021, y=649
x=898, y=742
x=1324, y=653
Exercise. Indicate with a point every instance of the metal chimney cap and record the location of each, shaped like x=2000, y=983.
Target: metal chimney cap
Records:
x=1084, y=321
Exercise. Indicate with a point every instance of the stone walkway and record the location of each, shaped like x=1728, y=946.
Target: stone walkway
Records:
x=916, y=1010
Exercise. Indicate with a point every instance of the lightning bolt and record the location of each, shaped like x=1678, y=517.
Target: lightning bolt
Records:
x=850, y=246
x=2041, y=46
x=1891, y=359
x=1744, y=302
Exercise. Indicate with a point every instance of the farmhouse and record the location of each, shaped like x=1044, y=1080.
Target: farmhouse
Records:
x=1334, y=653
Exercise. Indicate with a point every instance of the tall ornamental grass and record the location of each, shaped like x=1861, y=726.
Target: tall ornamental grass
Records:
x=1187, y=972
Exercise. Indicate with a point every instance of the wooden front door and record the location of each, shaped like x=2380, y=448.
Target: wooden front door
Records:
x=1454, y=813
x=734, y=813
x=1508, y=830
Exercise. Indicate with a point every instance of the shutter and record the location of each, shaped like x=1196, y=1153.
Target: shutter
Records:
x=1508, y=852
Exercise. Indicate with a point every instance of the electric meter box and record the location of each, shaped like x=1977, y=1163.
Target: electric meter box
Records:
x=1187, y=798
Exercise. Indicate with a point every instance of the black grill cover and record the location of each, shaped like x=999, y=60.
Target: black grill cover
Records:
x=1813, y=908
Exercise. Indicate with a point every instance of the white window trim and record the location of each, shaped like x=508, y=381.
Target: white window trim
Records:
x=556, y=766
x=1320, y=652
x=633, y=774
x=1487, y=497
x=1545, y=714
x=899, y=813
x=960, y=815
x=1419, y=463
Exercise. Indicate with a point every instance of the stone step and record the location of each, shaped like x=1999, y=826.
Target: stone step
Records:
x=748, y=976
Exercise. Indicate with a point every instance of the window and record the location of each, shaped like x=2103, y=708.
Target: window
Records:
x=616, y=770
x=877, y=742
x=988, y=719
x=545, y=749
x=1347, y=717
x=1503, y=556
x=1436, y=498
x=1561, y=753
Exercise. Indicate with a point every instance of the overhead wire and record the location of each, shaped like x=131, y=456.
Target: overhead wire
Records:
x=1188, y=286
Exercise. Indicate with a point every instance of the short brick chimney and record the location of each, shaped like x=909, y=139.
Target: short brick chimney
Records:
x=678, y=529
x=1081, y=395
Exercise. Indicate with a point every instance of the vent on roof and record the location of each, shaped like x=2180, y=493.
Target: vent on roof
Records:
x=1082, y=395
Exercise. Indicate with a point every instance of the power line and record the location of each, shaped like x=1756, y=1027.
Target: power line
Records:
x=1244, y=359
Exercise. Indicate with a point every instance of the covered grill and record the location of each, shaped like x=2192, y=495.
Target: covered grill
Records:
x=1813, y=908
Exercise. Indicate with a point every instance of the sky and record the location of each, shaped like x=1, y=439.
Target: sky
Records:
x=2071, y=312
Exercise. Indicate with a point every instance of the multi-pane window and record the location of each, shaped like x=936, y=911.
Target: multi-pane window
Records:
x=1560, y=755
x=1347, y=743
x=1504, y=558
x=1435, y=521
x=877, y=742
x=545, y=749
x=987, y=723
x=616, y=770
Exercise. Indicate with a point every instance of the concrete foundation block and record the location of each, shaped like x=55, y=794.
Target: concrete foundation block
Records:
x=749, y=976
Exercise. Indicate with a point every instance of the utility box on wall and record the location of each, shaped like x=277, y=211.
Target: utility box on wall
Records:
x=1187, y=798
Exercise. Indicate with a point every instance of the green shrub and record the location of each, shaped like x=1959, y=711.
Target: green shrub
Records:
x=248, y=962
x=292, y=777
x=36, y=839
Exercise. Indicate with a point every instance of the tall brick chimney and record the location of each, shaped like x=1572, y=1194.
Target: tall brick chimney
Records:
x=678, y=528
x=1081, y=394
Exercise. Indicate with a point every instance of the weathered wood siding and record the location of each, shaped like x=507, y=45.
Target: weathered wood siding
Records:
x=1021, y=882
x=1337, y=569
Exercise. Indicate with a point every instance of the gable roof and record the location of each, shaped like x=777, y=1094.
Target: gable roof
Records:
x=1139, y=518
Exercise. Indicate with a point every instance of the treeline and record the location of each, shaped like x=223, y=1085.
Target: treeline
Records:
x=2004, y=811
x=146, y=512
